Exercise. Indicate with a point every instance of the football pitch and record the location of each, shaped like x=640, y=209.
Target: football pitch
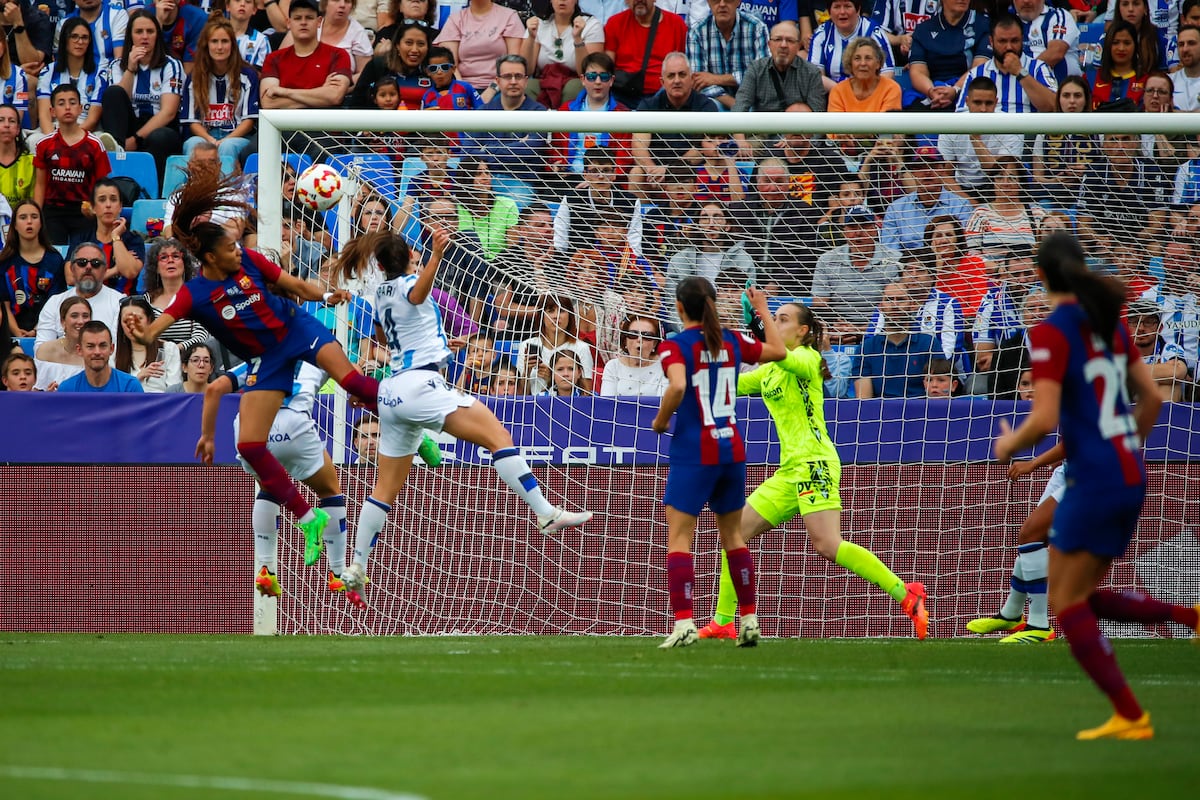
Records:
x=156, y=716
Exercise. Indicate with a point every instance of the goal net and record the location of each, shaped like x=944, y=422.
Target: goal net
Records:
x=910, y=236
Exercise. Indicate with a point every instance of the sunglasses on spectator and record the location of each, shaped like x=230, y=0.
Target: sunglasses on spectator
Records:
x=643, y=335
x=434, y=69
x=84, y=263
x=603, y=77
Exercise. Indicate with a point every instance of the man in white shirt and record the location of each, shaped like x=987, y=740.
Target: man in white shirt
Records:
x=1187, y=78
x=974, y=155
x=87, y=264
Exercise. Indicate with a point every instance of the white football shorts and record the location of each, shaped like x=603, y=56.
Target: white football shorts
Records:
x=294, y=441
x=411, y=402
x=1056, y=485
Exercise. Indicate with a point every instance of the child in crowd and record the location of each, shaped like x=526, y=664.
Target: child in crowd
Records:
x=566, y=376
x=435, y=181
x=252, y=44
x=447, y=92
x=67, y=165
x=19, y=373
x=386, y=97
x=939, y=378
x=717, y=177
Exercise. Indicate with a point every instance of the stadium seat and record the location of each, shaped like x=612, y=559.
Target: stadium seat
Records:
x=521, y=193
x=174, y=175
x=251, y=165
x=27, y=344
x=144, y=210
x=139, y=166
x=376, y=169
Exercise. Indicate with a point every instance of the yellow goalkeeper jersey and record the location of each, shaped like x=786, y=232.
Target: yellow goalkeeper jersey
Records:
x=794, y=393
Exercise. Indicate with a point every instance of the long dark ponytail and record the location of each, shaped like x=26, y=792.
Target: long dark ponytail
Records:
x=1061, y=260
x=815, y=336
x=389, y=249
x=699, y=299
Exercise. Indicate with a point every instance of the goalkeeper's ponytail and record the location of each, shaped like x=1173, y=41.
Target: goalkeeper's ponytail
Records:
x=815, y=338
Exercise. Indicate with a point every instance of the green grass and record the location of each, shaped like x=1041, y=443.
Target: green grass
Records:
x=571, y=717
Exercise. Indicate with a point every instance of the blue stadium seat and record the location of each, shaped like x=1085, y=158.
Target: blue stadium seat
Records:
x=27, y=343
x=251, y=164
x=139, y=166
x=174, y=175
x=144, y=210
x=380, y=171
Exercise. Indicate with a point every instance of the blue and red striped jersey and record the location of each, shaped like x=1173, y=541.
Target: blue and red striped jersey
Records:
x=706, y=430
x=1096, y=420
x=240, y=311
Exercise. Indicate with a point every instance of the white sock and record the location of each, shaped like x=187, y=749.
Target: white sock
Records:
x=335, y=532
x=514, y=471
x=265, y=521
x=371, y=519
x=1035, y=564
x=1014, y=606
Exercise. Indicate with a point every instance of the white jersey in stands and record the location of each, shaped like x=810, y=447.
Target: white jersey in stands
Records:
x=414, y=332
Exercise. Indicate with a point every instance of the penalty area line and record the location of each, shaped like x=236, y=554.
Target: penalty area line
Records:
x=223, y=783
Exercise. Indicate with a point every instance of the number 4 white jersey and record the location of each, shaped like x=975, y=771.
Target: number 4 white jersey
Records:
x=414, y=332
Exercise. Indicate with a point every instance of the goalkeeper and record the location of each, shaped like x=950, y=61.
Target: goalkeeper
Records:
x=806, y=482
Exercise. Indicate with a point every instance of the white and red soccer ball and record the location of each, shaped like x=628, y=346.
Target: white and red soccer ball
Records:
x=319, y=187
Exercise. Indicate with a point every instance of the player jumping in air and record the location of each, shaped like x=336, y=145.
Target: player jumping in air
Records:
x=231, y=298
x=1085, y=369
x=807, y=480
x=1033, y=560
x=416, y=396
x=708, y=456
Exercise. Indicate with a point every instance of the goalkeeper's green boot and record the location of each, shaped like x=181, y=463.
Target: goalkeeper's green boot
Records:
x=314, y=530
x=986, y=625
x=429, y=451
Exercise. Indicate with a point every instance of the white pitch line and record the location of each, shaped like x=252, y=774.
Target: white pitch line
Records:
x=230, y=784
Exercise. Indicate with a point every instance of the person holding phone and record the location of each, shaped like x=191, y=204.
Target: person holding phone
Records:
x=156, y=365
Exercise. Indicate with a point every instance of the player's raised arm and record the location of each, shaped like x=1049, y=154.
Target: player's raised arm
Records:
x=773, y=348
x=419, y=293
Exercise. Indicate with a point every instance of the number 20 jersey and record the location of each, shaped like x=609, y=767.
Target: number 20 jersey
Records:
x=706, y=429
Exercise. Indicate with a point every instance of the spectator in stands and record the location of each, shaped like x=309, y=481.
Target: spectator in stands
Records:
x=16, y=162
x=535, y=356
x=157, y=365
x=1121, y=79
x=29, y=31
x=907, y=218
x=66, y=165
x=479, y=363
x=1148, y=39
x=31, y=270
x=524, y=273
x=124, y=250
x=722, y=48
x=898, y=19
x=19, y=372
x=556, y=48
x=465, y=270
x=815, y=169
x=639, y=53
x=1169, y=151
x=448, y=92
x=653, y=152
x=937, y=313
x=712, y=253
x=864, y=89
x=366, y=438
x=491, y=216
x=523, y=155
x=784, y=80
x=851, y=193
x=829, y=42
x=893, y=363
x=179, y=28
x=668, y=222
x=957, y=271
x=168, y=266
x=850, y=279
x=405, y=60
x=235, y=222
x=566, y=376
x=569, y=148
x=86, y=264
x=1186, y=81
x=1024, y=84
x=96, y=347
x=1009, y=219
x=142, y=102
x=637, y=370
x=717, y=175
x=507, y=382
x=1051, y=36
x=596, y=199
x=340, y=29
x=479, y=34
x=220, y=97
x=945, y=48
x=59, y=358
x=1167, y=361
x=779, y=230
x=1121, y=191
x=1178, y=296
x=940, y=378
x=252, y=44
x=196, y=367
x=75, y=64
x=1011, y=357
x=998, y=316
x=974, y=155
x=1059, y=160
x=309, y=73
x=400, y=12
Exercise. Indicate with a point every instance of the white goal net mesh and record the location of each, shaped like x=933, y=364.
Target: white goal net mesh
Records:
x=914, y=248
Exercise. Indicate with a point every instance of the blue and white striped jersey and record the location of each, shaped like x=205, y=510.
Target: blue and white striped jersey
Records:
x=827, y=45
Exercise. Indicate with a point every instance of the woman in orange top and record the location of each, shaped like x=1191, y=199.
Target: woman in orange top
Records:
x=959, y=273
x=865, y=89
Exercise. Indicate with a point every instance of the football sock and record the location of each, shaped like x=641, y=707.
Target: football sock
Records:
x=274, y=478
x=265, y=519
x=335, y=532
x=726, y=595
x=371, y=519
x=362, y=387
x=1014, y=606
x=1137, y=607
x=1094, y=653
x=863, y=563
x=741, y=571
x=514, y=471
x=681, y=577
x=1035, y=563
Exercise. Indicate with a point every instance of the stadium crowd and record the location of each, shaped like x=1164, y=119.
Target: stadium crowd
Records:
x=916, y=252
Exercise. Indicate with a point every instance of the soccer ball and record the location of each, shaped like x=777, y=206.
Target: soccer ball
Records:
x=319, y=187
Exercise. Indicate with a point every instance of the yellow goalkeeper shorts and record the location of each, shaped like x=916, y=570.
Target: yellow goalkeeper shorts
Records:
x=805, y=489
